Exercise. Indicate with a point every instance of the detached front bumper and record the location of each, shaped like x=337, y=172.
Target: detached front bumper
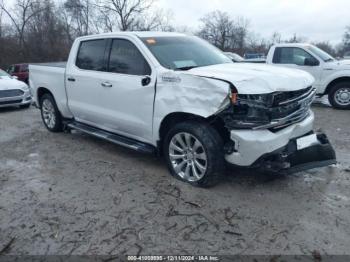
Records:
x=281, y=150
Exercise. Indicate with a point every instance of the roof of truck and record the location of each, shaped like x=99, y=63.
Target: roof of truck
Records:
x=292, y=44
x=135, y=33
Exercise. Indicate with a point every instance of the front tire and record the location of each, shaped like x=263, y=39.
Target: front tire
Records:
x=194, y=153
x=339, y=95
x=50, y=113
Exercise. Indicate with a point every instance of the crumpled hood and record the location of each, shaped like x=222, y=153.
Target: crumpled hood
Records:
x=7, y=83
x=256, y=78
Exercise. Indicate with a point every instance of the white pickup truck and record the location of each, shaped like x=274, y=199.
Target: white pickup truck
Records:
x=182, y=98
x=332, y=76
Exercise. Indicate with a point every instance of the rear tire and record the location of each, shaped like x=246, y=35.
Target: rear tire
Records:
x=339, y=95
x=194, y=153
x=50, y=114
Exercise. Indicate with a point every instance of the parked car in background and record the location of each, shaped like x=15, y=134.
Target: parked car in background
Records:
x=347, y=55
x=13, y=92
x=234, y=57
x=238, y=59
x=181, y=97
x=255, y=60
x=254, y=56
x=332, y=76
x=21, y=71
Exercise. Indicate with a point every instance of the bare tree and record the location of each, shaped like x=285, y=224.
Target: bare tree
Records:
x=296, y=39
x=126, y=12
x=224, y=31
x=346, y=39
x=20, y=16
x=155, y=20
x=79, y=14
x=217, y=28
x=326, y=46
x=1, y=15
x=276, y=38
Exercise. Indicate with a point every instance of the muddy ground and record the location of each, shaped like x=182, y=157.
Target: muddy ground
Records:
x=75, y=194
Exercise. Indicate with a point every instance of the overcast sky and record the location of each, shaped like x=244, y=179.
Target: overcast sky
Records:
x=318, y=20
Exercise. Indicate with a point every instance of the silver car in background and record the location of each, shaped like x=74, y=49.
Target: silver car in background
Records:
x=13, y=92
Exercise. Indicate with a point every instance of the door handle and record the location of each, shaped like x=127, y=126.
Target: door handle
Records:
x=106, y=84
x=71, y=79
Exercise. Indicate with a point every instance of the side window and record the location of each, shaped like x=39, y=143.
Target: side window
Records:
x=91, y=55
x=11, y=70
x=125, y=58
x=293, y=55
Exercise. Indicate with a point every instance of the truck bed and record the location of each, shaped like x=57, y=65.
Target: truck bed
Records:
x=52, y=64
x=50, y=76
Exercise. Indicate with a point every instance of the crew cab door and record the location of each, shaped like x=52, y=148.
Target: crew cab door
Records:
x=295, y=57
x=117, y=93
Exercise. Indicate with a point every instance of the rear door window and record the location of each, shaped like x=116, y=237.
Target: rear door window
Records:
x=91, y=55
x=125, y=58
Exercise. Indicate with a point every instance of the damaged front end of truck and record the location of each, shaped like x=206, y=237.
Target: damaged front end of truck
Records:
x=274, y=132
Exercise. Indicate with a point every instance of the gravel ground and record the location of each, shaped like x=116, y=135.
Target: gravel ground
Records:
x=75, y=194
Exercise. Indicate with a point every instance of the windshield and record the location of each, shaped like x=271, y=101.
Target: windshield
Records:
x=320, y=53
x=184, y=52
x=3, y=73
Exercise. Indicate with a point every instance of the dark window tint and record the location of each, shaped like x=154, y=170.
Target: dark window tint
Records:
x=24, y=68
x=291, y=55
x=125, y=58
x=11, y=70
x=91, y=55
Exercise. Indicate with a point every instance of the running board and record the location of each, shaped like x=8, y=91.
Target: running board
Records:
x=114, y=138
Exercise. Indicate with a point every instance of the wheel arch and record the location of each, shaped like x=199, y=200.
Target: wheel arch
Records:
x=336, y=81
x=177, y=117
x=42, y=91
x=174, y=118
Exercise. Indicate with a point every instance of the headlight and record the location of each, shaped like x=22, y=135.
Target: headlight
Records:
x=262, y=100
x=25, y=88
x=248, y=111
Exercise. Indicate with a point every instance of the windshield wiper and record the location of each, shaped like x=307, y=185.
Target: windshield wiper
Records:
x=329, y=60
x=185, y=68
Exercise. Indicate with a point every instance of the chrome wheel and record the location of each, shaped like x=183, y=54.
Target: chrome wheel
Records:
x=188, y=157
x=49, y=113
x=342, y=96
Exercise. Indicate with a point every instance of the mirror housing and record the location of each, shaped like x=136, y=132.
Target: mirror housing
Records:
x=146, y=80
x=14, y=77
x=311, y=62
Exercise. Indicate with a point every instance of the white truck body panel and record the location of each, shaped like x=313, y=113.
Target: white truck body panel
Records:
x=126, y=107
x=324, y=73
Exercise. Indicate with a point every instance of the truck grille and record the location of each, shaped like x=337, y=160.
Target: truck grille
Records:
x=288, y=97
x=291, y=107
x=11, y=93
